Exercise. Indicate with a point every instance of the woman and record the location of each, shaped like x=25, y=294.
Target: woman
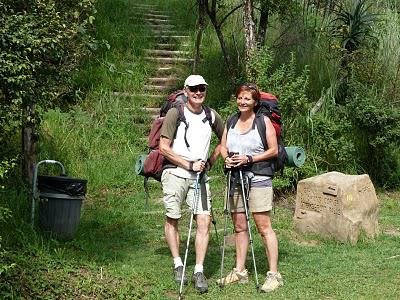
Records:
x=242, y=147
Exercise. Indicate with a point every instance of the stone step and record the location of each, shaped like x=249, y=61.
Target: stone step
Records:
x=170, y=71
x=170, y=81
x=166, y=46
x=156, y=11
x=157, y=88
x=152, y=110
x=166, y=69
x=157, y=21
x=149, y=6
x=157, y=16
x=161, y=26
x=146, y=10
x=165, y=32
x=168, y=37
x=170, y=60
x=169, y=53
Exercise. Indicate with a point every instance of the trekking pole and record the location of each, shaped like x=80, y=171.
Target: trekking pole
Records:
x=194, y=209
x=214, y=223
x=212, y=215
x=245, y=196
x=226, y=213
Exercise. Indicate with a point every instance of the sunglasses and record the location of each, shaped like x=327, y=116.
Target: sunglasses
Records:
x=197, y=88
x=251, y=86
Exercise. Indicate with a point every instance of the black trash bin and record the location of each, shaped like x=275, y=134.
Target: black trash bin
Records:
x=60, y=201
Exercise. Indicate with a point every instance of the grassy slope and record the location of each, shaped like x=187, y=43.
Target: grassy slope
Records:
x=119, y=251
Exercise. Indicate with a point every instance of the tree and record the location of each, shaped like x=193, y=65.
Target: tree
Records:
x=249, y=27
x=212, y=10
x=40, y=44
x=201, y=24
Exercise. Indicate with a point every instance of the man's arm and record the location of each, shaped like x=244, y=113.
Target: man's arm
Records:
x=171, y=156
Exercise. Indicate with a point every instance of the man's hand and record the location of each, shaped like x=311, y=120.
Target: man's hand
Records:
x=198, y=166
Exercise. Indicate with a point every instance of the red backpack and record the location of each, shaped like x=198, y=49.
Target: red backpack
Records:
x=269, y=107
x=154, y=162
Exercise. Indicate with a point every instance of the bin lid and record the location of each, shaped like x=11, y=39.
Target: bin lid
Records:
x=59, y=196
x=62, y=184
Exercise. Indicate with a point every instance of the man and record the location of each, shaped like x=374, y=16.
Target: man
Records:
x=186, y=147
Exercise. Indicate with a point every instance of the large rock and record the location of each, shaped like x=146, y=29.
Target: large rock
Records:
x=338, y=205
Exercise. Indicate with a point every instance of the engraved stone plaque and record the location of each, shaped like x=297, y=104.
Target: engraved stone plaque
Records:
x=338, y=205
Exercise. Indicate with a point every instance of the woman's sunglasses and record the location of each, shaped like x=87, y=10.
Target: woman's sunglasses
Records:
x=197, y=88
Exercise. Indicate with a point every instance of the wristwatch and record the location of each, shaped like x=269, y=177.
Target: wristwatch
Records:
x=249, y=159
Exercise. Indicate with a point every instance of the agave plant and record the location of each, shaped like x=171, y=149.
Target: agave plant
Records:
x=353, y=25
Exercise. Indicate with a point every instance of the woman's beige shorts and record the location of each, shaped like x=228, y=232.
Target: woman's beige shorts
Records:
x=260, y=199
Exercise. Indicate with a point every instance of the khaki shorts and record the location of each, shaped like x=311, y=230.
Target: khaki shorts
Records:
x=260, y=199
x=176, y=189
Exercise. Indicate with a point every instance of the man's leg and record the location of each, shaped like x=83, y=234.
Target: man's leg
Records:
x=172, y=235
x=201, y=244
x=174, y=191
x=202, y=237
x=203, y=220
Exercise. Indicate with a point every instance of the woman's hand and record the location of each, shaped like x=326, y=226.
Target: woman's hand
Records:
x=229, y=163
x=236, y=161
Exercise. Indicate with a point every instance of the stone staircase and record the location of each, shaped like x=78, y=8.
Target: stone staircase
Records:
x=169, y=55
x=170, y=58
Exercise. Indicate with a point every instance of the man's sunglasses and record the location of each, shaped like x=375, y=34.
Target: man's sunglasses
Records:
x=197, y=88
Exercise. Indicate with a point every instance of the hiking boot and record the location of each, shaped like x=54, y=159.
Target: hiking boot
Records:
x=272, y=282
x=200, y=282
x=234, y=276
x=178, y=275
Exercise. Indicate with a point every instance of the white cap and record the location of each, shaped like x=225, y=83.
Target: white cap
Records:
x=194, y=80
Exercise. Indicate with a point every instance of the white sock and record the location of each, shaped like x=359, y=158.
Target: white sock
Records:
x=198, y=268
x=177, y=262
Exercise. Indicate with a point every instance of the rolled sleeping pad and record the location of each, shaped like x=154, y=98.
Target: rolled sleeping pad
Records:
x=139, y=166
x=296, y=156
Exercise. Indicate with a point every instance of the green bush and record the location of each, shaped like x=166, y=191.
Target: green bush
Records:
x=376, y=125
x=5, y=213
x=41, y=43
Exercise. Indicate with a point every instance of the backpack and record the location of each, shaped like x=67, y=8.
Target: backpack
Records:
x=268, y=106
x=154, y=162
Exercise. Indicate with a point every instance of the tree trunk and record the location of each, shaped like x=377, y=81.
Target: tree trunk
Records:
x=201, y=24
x=29, y=142
x=212, y=14
x=262, y=26
x=249, y=28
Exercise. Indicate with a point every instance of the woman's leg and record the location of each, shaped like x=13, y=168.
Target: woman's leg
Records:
x=241, y=239
x=264, y=227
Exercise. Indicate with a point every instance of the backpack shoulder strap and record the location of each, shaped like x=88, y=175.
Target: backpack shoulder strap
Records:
x=259, y=120
x=232, y=120
x=182, y=118
x=208, y=117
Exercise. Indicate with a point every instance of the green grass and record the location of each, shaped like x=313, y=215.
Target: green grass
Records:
x=119, y=250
